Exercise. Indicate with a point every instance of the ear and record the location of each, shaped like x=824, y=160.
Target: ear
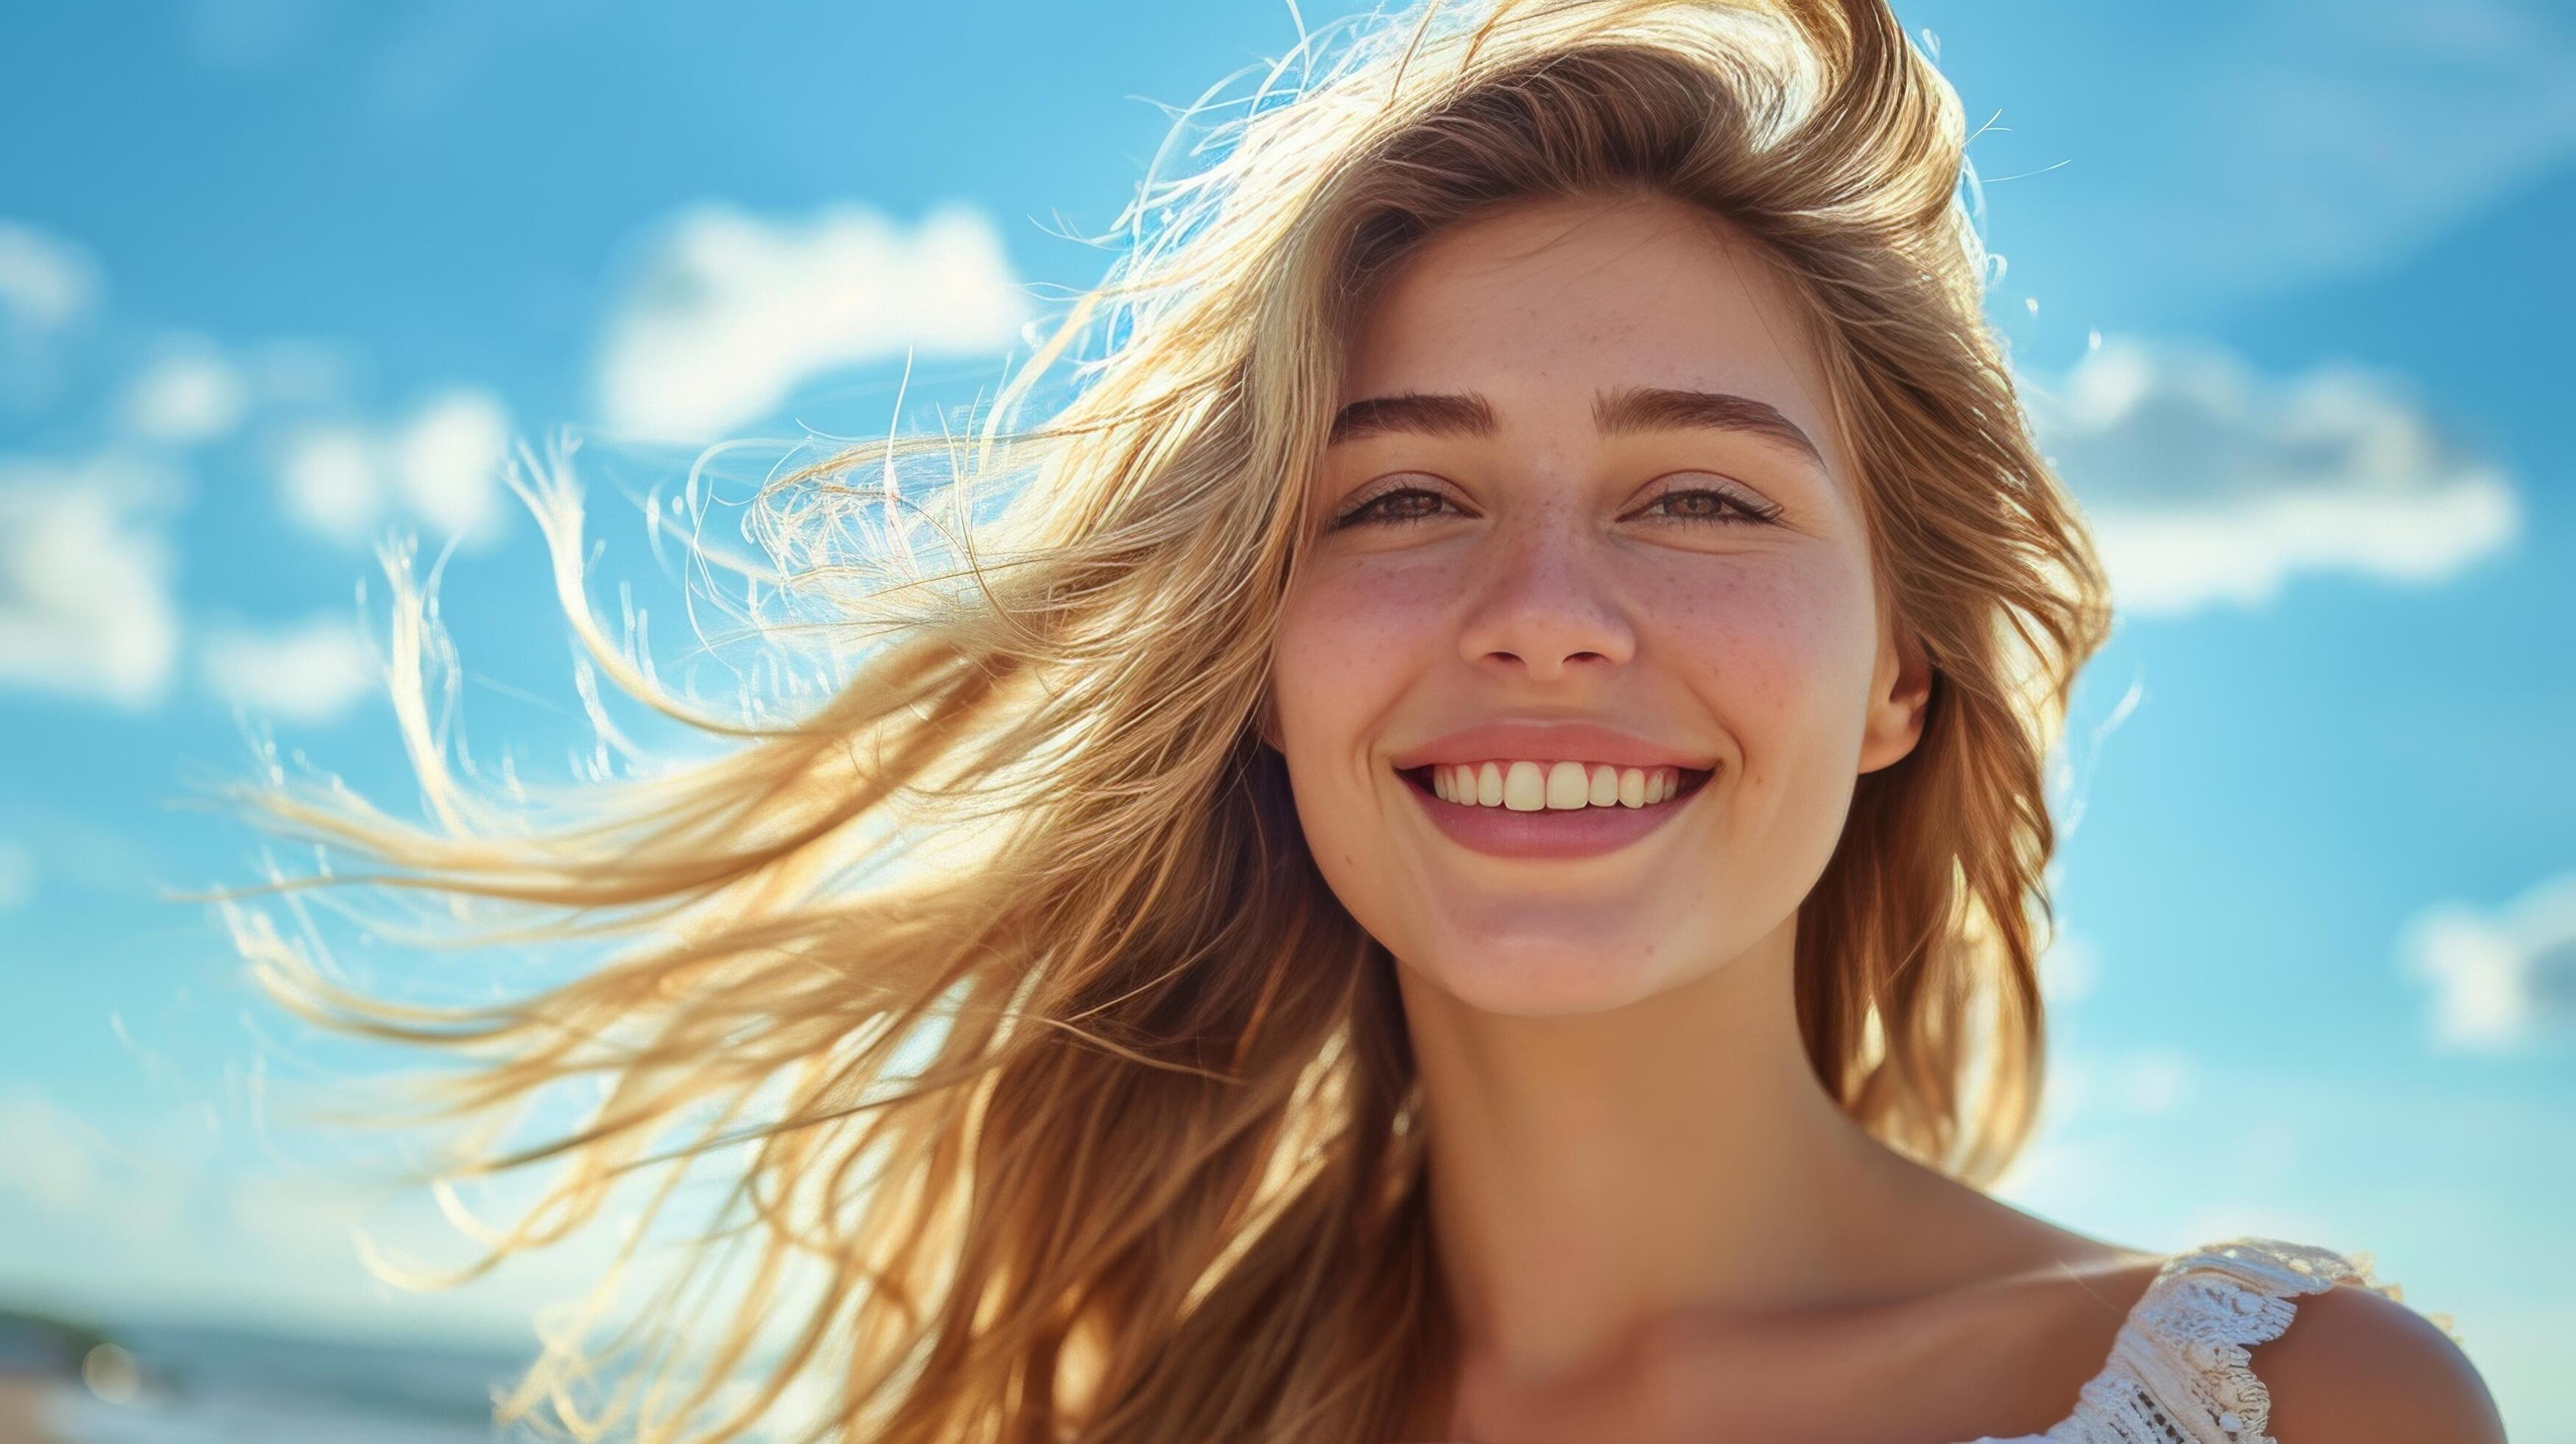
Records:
x=1900, y=690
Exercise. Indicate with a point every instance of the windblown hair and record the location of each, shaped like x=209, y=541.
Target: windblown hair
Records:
x=1096, y=1120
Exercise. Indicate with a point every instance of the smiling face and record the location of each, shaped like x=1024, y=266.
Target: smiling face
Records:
x=1584, y=506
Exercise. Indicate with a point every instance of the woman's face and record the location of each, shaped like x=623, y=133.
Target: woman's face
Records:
x=1584, y=520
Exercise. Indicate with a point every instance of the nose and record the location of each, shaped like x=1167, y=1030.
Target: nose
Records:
x=1544, y=603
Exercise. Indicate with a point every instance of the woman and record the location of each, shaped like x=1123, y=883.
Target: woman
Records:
x=1474, y=836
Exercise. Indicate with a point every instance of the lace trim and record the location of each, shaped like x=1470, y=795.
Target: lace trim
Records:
x=2181, y=1370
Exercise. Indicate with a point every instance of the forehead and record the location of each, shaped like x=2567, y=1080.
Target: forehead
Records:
x=1541, y=305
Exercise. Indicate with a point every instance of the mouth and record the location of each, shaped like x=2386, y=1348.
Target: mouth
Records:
x=1683, y=785
x=1557, y=826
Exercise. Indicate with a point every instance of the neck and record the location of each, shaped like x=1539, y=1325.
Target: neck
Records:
x=1591, y=1174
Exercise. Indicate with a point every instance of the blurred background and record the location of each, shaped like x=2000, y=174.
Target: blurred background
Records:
x=2289, y=286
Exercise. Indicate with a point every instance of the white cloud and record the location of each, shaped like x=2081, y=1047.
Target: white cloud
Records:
x=2207, y=484
x=190, y=393
x=49, y=286
x=313, y=671
x=46, y=282
x=2096, y=1112
x=304, y=1217
x=329, y=480
x=2069, y=969
x=2498, y=978
x=2138, y=1083
x=2152, y=1082
x=299, y=372
x=447, y=459
x=440, y=466
x=53, y=1157
x=86, y=575
x=730, y=312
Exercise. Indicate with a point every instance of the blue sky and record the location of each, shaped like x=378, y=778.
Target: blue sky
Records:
x=2288, y=284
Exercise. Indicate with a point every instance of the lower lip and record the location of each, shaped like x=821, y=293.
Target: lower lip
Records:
x=1548, y=832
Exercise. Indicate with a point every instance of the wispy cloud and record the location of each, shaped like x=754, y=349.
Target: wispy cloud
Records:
x=86, y=576
x=46, y=281
x=17, y=875
x=189, y=394
x=2069, y=970
x=50, y=288
x=54, y=1158
x=312, y=671
x=2138, y=1083
x=2499, y=979
x=244, y=34
x=2308, y=140
x=2209, y=484
x=88, y=550
x=438, y=465
x=729, y=312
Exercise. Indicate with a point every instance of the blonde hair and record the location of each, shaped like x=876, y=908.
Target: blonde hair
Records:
x=1096, y=1122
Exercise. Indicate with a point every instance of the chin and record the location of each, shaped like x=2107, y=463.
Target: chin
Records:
x=1539, y=978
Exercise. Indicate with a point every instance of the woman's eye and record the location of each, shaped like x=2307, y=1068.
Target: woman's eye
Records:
x=1699, y=503
x=1411, y=503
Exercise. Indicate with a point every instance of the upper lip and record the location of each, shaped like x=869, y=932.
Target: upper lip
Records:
x=1550, y=741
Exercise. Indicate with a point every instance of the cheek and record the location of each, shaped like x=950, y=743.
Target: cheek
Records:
x=1780, y=651
x=1350, y=636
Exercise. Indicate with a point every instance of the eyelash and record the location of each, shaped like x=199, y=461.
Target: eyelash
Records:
x=1741, y=512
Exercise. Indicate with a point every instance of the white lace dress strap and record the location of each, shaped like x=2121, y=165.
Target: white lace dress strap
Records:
x=2181, y=1371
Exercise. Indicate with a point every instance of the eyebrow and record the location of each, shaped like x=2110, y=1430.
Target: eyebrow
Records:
x=1629, y=409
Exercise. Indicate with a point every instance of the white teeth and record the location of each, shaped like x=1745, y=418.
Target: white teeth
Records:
x=1552, y=786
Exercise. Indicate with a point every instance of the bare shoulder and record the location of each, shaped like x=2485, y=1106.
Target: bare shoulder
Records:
x=2358, y=1367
